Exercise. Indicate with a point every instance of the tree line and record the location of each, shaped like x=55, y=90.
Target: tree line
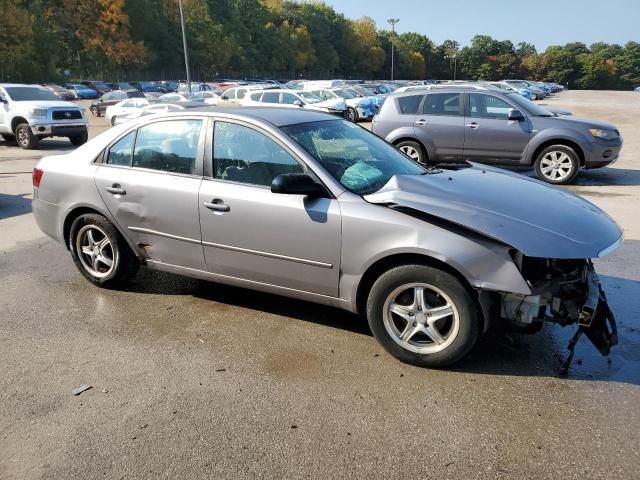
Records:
x=56, y=40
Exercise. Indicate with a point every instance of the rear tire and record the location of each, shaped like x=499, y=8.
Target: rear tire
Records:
x=25, y=137
x=113, y=121
x=423, y=316
x=557, y=164
x=95, y=111
x=413, y=150
x=100, y=253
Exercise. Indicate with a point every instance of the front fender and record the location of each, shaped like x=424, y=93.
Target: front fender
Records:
x=556, y=134
x=484, y=263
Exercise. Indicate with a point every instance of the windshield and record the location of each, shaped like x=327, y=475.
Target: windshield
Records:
x=361, y=161
x=363, y=91
x=344, y=94
x=528, y=105
x=310, y=97
x=26, y=94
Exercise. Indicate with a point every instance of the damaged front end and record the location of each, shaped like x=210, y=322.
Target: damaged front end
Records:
x=566, y=292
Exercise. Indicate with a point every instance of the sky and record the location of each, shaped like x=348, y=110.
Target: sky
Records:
x=541, y=22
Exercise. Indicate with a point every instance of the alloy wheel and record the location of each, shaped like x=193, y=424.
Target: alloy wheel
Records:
x=556, y=166
x=421, y=318
x=411, y=152
x=95, y=251
x=22, y=137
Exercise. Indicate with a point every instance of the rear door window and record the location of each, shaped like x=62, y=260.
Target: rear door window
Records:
x=169, y=146
x=442, y=104
x=409, y=105
x=270, y=97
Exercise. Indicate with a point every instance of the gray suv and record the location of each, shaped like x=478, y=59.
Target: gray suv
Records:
x=456, y=123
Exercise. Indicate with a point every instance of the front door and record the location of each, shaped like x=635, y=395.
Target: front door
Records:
x=250, y=233
x=490, y=137
x=440, y=127
x=149, y=181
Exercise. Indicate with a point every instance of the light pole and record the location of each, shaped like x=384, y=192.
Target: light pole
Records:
x=455, y=66
x=393, y=22
x=184, y=45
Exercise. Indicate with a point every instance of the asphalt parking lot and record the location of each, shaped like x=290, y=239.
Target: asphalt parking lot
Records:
x=197, y=380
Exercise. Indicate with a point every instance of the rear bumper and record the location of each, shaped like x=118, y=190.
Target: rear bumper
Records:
x=47, y=217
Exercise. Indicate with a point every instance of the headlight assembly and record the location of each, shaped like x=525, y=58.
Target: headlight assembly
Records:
x=604, y=134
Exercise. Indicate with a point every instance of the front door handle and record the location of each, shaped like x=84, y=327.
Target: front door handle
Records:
x=473, y=125
x=421, y=122
x=116, y=189
x=217, y=205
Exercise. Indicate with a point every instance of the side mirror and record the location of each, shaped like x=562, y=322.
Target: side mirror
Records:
x=515, y=115
x=297, y=103
x=3, y=100
x=297, y=184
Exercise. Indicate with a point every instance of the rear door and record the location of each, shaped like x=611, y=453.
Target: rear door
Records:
x=149, y=181
x=440, y=126
x=490, y=137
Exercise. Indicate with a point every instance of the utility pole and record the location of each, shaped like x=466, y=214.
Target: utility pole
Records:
x=184, y=45
x=393, y=22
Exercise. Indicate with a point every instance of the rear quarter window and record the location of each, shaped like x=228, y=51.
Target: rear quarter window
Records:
x=409, y=105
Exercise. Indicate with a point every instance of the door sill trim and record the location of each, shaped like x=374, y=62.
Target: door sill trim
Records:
x=250, y=284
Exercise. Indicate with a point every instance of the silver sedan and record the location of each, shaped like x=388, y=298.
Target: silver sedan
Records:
x=305, y=205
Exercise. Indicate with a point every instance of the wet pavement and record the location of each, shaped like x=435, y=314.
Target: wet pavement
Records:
x=197, y=380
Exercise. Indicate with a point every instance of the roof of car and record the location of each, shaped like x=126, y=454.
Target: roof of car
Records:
x=277, y=116
x=5, y=85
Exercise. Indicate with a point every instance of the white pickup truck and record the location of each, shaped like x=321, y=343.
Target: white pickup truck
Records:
x=29, y=113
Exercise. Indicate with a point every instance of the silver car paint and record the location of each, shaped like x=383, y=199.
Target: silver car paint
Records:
x=250, y=257
x=535, y=218
x=491, y=140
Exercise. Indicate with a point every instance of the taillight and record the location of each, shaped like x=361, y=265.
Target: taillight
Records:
x=36, y=176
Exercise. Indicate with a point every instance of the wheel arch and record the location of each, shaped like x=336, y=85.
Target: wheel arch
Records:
x=85, y=209
x=385, y=264
x=17, y=121
x=559, y=141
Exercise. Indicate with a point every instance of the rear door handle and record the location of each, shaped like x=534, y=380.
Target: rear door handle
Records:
x=116, y=189
x=421, y=122
x=217, y=205
x=472, y=125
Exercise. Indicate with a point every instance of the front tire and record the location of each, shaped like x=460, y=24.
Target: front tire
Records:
x=95, y=111
x=557, y=164
x=423, y=316
x=79, y=139
x=113, y=121
x=100, y=253
x=25, y=137
x=352, y=115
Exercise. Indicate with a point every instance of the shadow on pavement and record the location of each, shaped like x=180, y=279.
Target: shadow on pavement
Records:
x=14, y=205
x=496, y=353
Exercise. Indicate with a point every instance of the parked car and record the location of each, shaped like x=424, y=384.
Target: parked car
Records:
x=123, y=108
x=100, y=87
x=153, y=109
x=99, y=107
x=444, y=124
x=304, y=205
x=637, y=89
x=525, y=92
x=81, y=91
x=62, y=93
x=150, y=90
x=236, y=94
x=29, y=113
x=358, y=108
x=210, y=97
x=537, y=91
x=286, y=98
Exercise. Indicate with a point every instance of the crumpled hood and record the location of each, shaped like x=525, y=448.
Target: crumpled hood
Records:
x=537, y=219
